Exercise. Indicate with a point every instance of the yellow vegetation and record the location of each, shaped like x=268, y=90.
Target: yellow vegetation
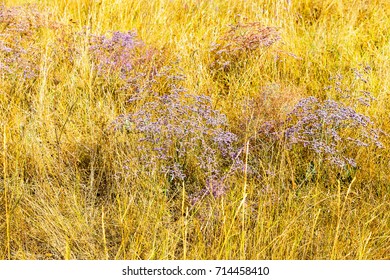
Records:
x=65, y=189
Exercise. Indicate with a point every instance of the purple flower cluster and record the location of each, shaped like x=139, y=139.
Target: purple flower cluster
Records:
x=18, y=61
x=180, y=134
x=352, y=87
x=328, y=128
x=18, y=53
x=23, y=20
x=115, y=54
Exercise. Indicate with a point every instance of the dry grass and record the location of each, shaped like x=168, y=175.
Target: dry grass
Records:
x=72, y=187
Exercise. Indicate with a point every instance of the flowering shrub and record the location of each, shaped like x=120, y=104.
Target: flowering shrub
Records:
x=328, y=128
x=353, y=86
x=239, y=41
x=125, y=63
x=19, y=53
x=180, y=134
x=115, y=54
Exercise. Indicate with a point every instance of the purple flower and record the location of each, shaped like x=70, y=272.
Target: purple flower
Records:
x=182, y=133
x=117, y=53
x=324, y=128
x=19, y=53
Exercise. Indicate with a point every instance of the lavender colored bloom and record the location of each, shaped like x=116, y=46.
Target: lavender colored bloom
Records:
x=117, y=53
x=349, y=87
x=19, y=54
x=182, y=133
x=24, y=20
x=324, y=128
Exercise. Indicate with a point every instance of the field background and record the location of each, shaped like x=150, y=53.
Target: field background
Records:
x=71, y=187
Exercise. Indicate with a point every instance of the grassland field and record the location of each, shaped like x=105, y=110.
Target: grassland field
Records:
x=194, y=129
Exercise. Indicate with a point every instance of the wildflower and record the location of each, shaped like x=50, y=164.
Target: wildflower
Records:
x=19, y=52
x=323, y=127
x=116, y=53
x=240, y=40
x=182, y=134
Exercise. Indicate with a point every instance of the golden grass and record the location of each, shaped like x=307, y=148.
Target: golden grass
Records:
x=65, y=190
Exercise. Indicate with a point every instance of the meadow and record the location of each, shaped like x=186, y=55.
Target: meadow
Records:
x=194, y=129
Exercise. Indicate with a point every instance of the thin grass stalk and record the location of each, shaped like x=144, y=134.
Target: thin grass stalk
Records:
x=184, y=212
x=5, y=180
x=104, y=236
x=340, y=215
x=244, y=195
